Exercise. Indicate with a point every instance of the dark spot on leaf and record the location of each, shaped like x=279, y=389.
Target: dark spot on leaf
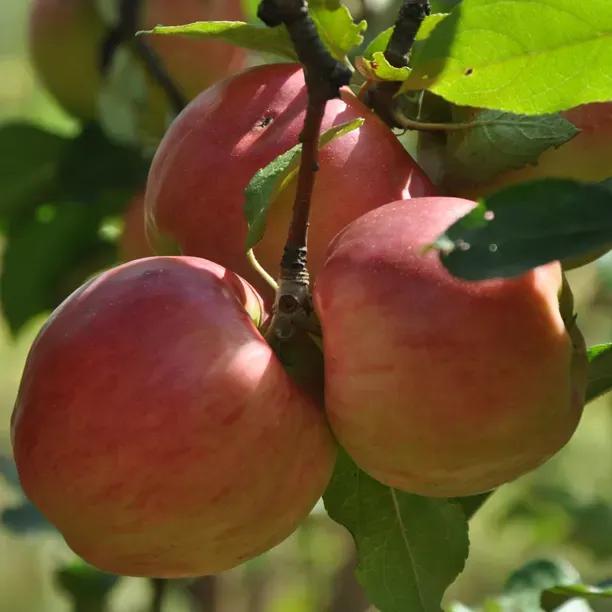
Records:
x=469, y=71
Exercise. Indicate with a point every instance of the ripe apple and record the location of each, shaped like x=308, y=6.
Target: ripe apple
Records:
x=157, y=430
x=435, y=385
x=66, y=38
x=195, y=191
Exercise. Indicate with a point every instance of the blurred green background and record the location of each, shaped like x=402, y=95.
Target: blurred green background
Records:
x=564, y=510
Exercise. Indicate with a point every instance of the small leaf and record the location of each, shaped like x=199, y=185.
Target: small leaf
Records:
x=265, y=183
x=25, y=519
x=497, y=141
x=497, y=54
x=583, y=590
x=410, y=548
x=337, y=29
x=379, y=43
x=528, y=225
x=600, y=371
x=47, y=258
x=124, y=102
x=95, y=169
x=87, y=587
x=8, y=470
x=30, y=158
x=373, y=64
x=256, y=38
x=379, y=69
x=529, y=587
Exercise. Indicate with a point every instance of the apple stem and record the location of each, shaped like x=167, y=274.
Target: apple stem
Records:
x=124, y=33
x=324, y=76
x=268, y=278
x=380, y=95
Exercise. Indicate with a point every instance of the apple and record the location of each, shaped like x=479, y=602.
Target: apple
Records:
x=157, y=430
x=66, y=39
x=134, y=242
x=195, y=190
x=435, y=385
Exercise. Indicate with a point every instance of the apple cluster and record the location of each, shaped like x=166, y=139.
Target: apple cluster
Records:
x=162, y=435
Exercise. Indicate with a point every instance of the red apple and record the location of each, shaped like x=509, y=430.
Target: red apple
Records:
x=157, y=430
x=195, y=191
x=435, y=385
x=66, y=38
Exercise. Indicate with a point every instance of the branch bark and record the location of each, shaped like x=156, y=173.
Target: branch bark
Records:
x=124, y=32
x=324, y=76
x=380, y=96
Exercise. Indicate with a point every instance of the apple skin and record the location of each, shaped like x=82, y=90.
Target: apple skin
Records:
x=435, y=385
x=66, y=38
x=195, y=191
x=156, y=429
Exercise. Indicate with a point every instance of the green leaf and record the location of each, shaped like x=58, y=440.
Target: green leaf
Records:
x=25, y=519
x=583, y=590
x=373, y=65
x=8, y=470
x=30, y=158
x=527, y=225
x=337, y=29
x=600, y=371
x=498, y=54
x=124, y=96
x=95, y=169
x=266, y=182
x=379, y=43
x=87, y=587
x=430, y=23
x=473, y=503
x=379, y=69
x=410, y=548
x=527, y=587
x=256, y=38
x=47, y=258
x=495, y=141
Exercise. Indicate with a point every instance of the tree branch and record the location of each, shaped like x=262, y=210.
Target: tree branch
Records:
x=380, y=96
x=324, y=77
x=125, y=33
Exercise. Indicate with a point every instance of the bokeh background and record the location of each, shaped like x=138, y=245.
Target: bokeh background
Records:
x=562, y=511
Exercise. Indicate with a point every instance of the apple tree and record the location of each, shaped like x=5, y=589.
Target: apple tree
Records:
x=337, y=274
